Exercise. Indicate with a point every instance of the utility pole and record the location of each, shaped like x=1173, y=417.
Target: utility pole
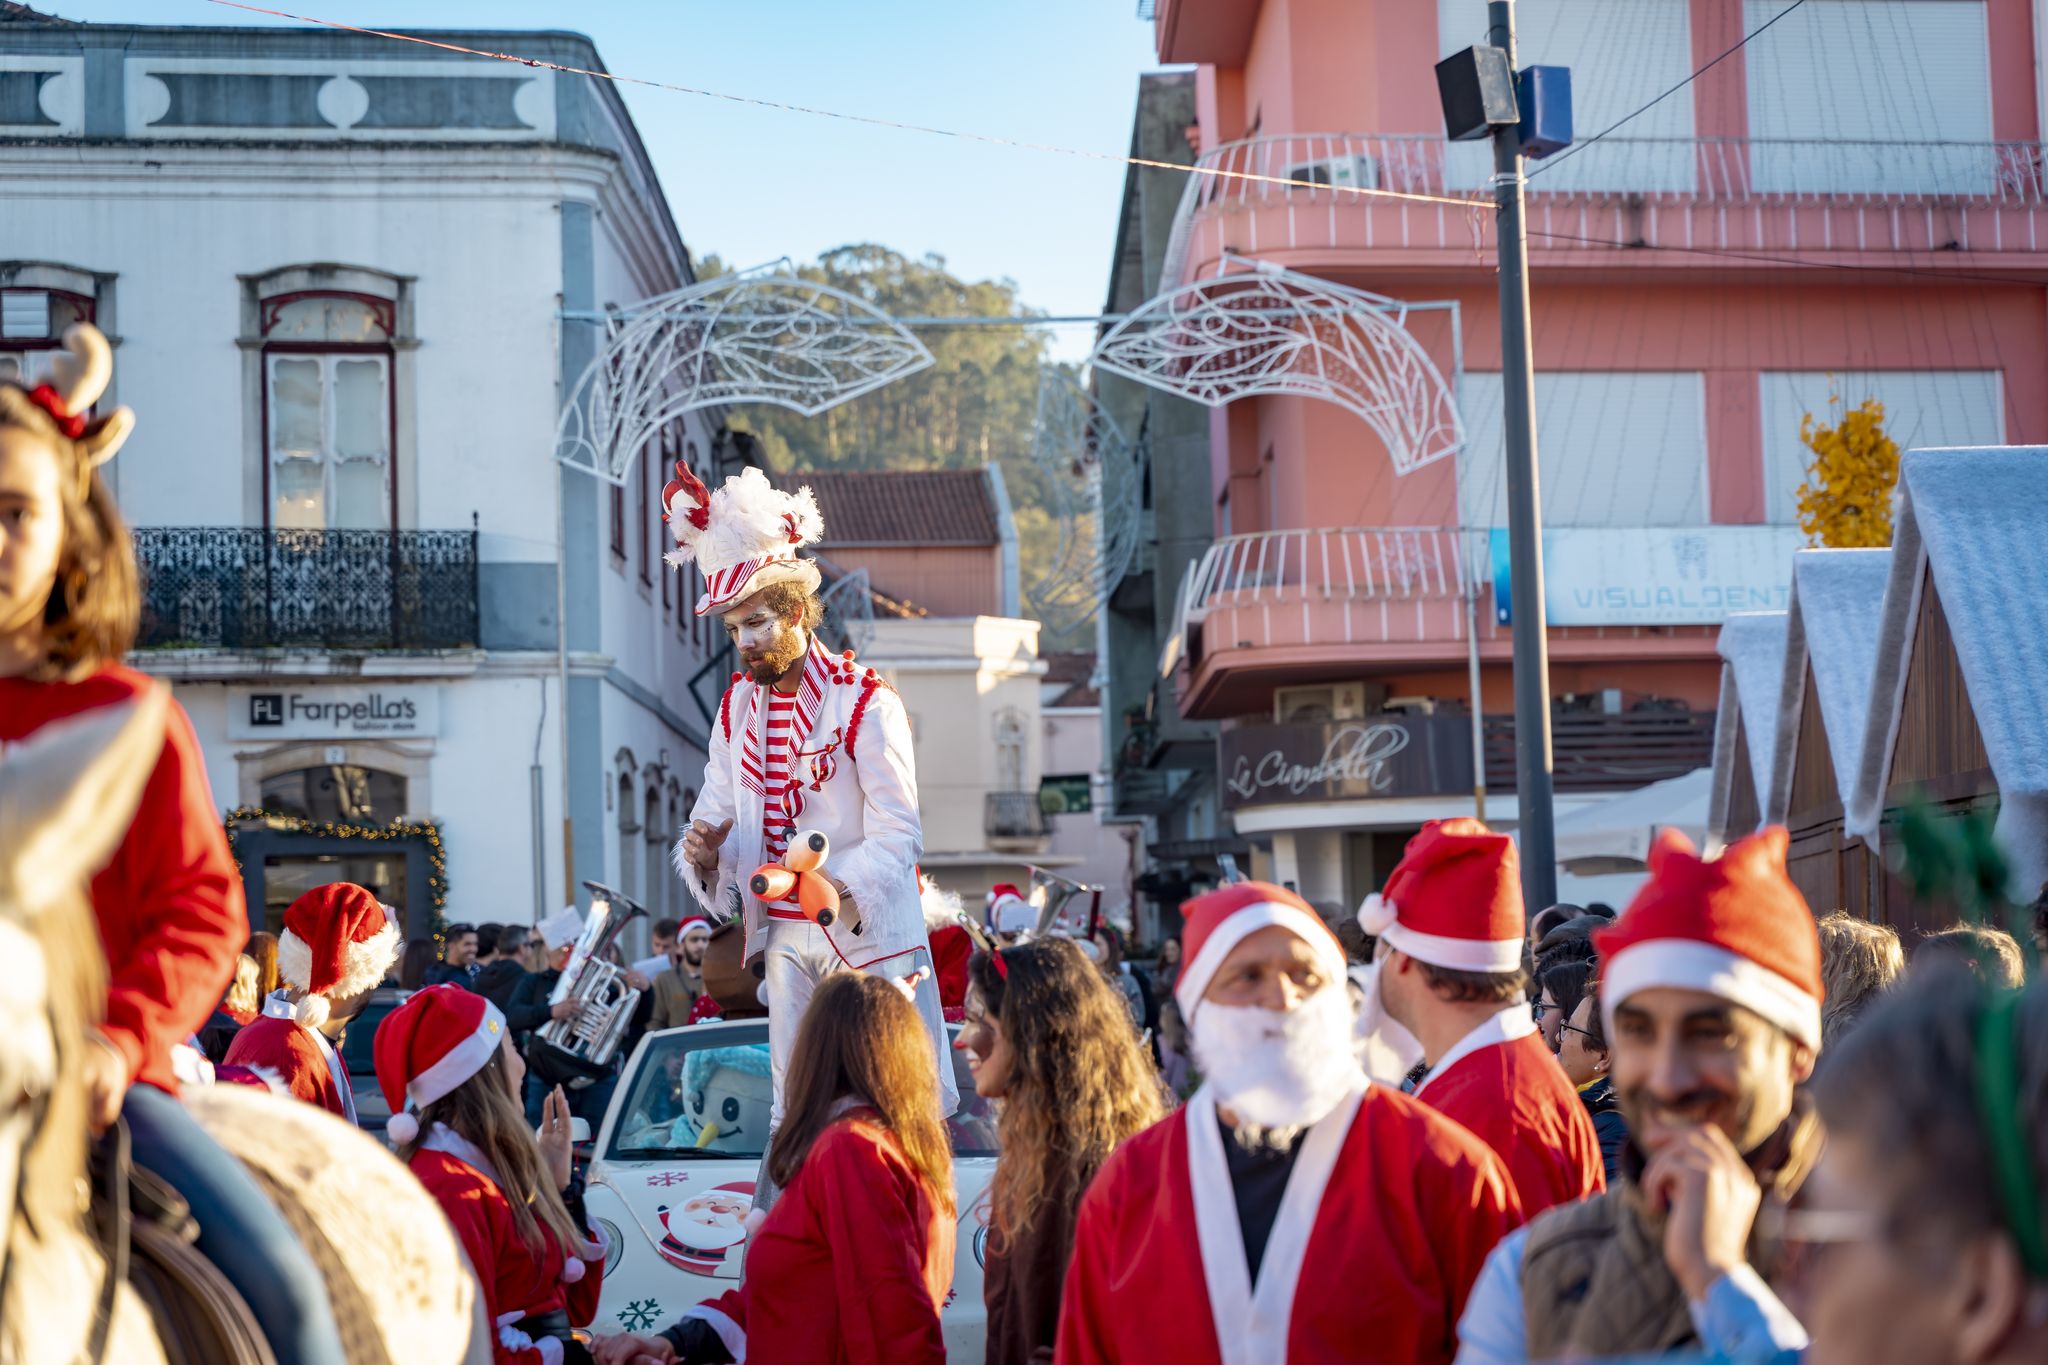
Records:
x=1525, y=528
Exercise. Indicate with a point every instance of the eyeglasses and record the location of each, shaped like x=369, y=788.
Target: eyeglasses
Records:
x=1539, y=1009
x=536, y=943
x=1595, y=1039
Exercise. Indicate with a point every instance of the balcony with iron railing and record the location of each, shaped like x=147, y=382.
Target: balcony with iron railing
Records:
x=1296, y=193
x=1310, y=605
x=255, y=588
x=1013, y=818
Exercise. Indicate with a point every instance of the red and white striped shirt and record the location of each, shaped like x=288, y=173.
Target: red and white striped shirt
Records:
x=775, y=747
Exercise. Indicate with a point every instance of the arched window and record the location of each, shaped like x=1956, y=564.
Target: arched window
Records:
x=629, y=826
x=339, y=793
x=1010, y=736
x=32, y=322
x=658, y=880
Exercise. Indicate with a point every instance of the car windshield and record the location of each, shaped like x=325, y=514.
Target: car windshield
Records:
x=359, y=1039
x=706, y=1092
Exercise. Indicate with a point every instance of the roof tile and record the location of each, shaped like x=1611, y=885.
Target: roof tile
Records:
x=901, y=506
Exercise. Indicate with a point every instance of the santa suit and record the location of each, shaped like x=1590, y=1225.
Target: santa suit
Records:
x=300, y=1057
x=852, y=1265
x=518, y=1283
x=1387, y=1217
x=852, y=777
x=1503, y=1084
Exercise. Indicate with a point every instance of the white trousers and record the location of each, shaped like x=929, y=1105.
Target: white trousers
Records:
x=798, y=957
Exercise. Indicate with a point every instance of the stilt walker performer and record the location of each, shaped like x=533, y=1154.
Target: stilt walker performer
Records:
x=805, y=740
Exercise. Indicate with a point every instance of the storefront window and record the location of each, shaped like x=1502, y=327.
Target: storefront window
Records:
x=337, y=792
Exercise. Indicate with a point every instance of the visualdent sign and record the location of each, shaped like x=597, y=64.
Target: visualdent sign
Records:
x=1351, y=760
x=375, y=711
x=1656, y=576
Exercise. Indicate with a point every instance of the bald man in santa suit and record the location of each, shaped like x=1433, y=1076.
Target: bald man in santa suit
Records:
x=1292, y=1210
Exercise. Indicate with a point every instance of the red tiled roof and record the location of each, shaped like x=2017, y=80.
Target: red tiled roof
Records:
x=1072, y=670
x=901, y=506
x=11, y=13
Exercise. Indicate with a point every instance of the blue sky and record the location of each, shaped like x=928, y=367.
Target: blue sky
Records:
x=755, y=184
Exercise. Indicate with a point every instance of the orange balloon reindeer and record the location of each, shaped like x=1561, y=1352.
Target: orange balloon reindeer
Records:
x=801, y=875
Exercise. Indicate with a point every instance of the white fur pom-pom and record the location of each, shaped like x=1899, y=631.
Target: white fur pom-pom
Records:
x=752, y=1222
x=1376, y=914
x=402, y=1127
x=312, y=1011
x=572, y=1270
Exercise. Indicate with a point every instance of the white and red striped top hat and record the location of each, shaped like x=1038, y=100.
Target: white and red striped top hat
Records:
x=428, y=1046
x=338, y=941
x=1733, y=926
x=1219, y=920
x=1454, y=900
x=744, y=537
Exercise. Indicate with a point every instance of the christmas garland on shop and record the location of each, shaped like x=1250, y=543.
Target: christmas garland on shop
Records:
x=437, y=852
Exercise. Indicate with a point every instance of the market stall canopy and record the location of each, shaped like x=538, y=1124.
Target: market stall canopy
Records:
x=1622, y=829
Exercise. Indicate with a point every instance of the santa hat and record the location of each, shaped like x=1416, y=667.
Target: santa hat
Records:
x=1215, y=923
x=562, y=928
x=1454, y=900
x=1008, y=911
x=1732, y=926
x=689, y=922
x=428, y=1046
x=744, y=537
x=338, y=941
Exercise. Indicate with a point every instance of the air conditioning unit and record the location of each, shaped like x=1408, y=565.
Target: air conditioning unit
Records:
x=1324, y=702
x=1340, y=172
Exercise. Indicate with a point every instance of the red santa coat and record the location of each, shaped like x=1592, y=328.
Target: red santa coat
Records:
x=852, y=1264
x=1503, y=1084
x=517, y=1282
x=169, y=905
x=952, y=950
x=1387, y=1219
x=302, y=1059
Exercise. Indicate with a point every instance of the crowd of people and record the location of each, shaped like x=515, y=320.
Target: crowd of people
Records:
x=1711, y=1124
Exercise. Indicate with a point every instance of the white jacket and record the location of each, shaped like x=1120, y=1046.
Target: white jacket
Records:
x=857, y=784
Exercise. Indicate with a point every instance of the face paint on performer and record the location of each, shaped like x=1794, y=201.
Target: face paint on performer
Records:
x=769, y=645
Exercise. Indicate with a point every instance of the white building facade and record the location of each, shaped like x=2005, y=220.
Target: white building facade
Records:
x=335, y=270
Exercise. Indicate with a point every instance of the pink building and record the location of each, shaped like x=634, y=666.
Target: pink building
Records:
x=1851, y=204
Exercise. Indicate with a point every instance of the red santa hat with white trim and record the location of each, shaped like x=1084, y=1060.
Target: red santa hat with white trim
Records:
x=1008, y=911
x=1733, y=926
x=744, y=537
x=1454, y=900
x=424, y=1049
x=338, y=941
x=1217, y=921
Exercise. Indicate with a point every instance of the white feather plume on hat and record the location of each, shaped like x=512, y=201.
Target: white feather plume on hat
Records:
x=747, y=518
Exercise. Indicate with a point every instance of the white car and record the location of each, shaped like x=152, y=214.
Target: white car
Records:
x=672, y=1177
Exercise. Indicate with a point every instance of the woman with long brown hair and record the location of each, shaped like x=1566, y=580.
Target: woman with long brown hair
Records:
x=263, y=948
x=446, y=1066
x=1049, y=1037
x=855, y=1258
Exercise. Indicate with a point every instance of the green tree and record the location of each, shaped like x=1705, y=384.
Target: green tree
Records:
x=973, y=406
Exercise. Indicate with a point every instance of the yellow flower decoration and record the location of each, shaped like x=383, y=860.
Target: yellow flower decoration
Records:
x=1846, y=501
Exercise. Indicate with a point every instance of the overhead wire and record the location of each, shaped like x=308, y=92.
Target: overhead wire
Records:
x=991, y=139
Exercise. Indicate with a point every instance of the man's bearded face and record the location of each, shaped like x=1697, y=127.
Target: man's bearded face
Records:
x=769, y=645
x=694, y=942
x=1683, y=1058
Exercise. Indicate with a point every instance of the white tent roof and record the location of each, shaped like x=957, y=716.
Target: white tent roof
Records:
x=1752, y=647
x=1832, y=625
x=1625, y=826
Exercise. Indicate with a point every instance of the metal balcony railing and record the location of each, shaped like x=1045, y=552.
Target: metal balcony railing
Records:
x=1593, y=751
x=235, y=587
x=1315, y=170
x=1014, y=815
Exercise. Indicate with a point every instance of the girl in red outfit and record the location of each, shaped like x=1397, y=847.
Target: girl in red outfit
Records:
x=447, y=1067
x=169, y=905
x=856, y=1257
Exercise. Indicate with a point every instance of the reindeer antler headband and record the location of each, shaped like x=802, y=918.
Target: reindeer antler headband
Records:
x=79, y=375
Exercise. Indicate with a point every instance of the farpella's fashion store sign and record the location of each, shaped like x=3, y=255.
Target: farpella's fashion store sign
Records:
x=375, y=711
x=1348, y=760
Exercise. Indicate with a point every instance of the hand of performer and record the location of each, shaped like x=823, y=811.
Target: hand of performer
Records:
x=565, y=1009
x=627, y=1349
x=106, y=1083
x=702, y=843
x=1712, y=1200
x=637, y=981
x=554, y=1136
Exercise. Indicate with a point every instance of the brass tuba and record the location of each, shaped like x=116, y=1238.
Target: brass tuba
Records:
x=578, y=1050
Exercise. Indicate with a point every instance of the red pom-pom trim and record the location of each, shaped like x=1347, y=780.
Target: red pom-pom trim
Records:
x=860, y=708
x=725, y=711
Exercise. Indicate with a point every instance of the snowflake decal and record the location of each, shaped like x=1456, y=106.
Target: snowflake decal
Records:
x=668, y=1178
x=639, y=1315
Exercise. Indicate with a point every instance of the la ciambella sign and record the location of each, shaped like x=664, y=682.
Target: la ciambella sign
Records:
x=1348, y=760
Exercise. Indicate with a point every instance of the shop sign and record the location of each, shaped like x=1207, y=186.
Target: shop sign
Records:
x=1065, y=795
x=1348, y=760
x=368, y=711
x=1656, y=575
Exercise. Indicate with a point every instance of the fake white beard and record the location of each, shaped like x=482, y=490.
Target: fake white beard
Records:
x=1276, y=1070
x=1386, y=1050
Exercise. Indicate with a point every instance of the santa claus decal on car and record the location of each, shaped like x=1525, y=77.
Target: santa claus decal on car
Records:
x=707, y=1233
